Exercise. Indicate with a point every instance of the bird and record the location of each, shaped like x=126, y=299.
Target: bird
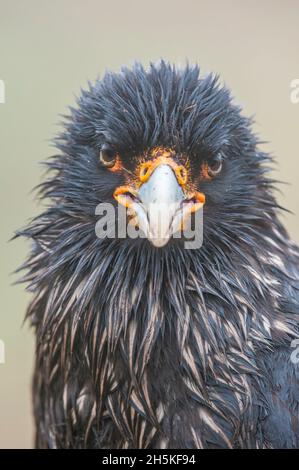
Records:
x=142, y=342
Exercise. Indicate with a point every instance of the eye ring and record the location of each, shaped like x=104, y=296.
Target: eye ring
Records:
x=108, y=156
x=215, y=166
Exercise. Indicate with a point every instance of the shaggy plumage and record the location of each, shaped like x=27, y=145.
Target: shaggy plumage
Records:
x=144, y=347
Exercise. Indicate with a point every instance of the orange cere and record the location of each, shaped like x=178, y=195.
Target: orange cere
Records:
x=147, y=168
x=199, y=198
x=122, y=195
x=159, y=156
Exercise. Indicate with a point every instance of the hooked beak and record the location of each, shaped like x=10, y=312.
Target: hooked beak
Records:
x=160, y=205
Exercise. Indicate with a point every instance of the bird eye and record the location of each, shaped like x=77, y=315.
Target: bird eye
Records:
x=215, y=166
x=108, y=156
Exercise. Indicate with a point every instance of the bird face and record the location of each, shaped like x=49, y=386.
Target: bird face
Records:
x=163, y=143
x=159, y=193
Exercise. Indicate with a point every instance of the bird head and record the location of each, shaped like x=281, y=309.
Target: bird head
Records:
x=163, y=143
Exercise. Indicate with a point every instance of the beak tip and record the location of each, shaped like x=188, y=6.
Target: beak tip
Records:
x=158, y=242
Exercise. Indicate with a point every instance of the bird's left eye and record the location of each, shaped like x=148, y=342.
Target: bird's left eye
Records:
x=108, y=156
x=215, y=166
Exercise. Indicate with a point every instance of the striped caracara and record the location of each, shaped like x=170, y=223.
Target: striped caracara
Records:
x=141, y=342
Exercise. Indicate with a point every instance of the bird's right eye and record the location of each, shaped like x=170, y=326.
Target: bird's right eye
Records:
x=108, y=156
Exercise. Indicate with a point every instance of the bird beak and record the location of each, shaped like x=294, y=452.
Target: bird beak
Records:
x=160, y=205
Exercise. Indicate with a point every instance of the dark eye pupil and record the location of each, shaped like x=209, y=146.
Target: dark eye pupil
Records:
x=107, y=155
x=215, y=165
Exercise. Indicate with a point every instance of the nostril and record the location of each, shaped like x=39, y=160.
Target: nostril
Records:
x=145, y=172
x=181, y=174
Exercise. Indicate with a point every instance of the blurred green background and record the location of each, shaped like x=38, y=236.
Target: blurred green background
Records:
x=49, y=49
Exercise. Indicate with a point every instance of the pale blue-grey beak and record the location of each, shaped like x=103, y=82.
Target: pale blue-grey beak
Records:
x=161, y=206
